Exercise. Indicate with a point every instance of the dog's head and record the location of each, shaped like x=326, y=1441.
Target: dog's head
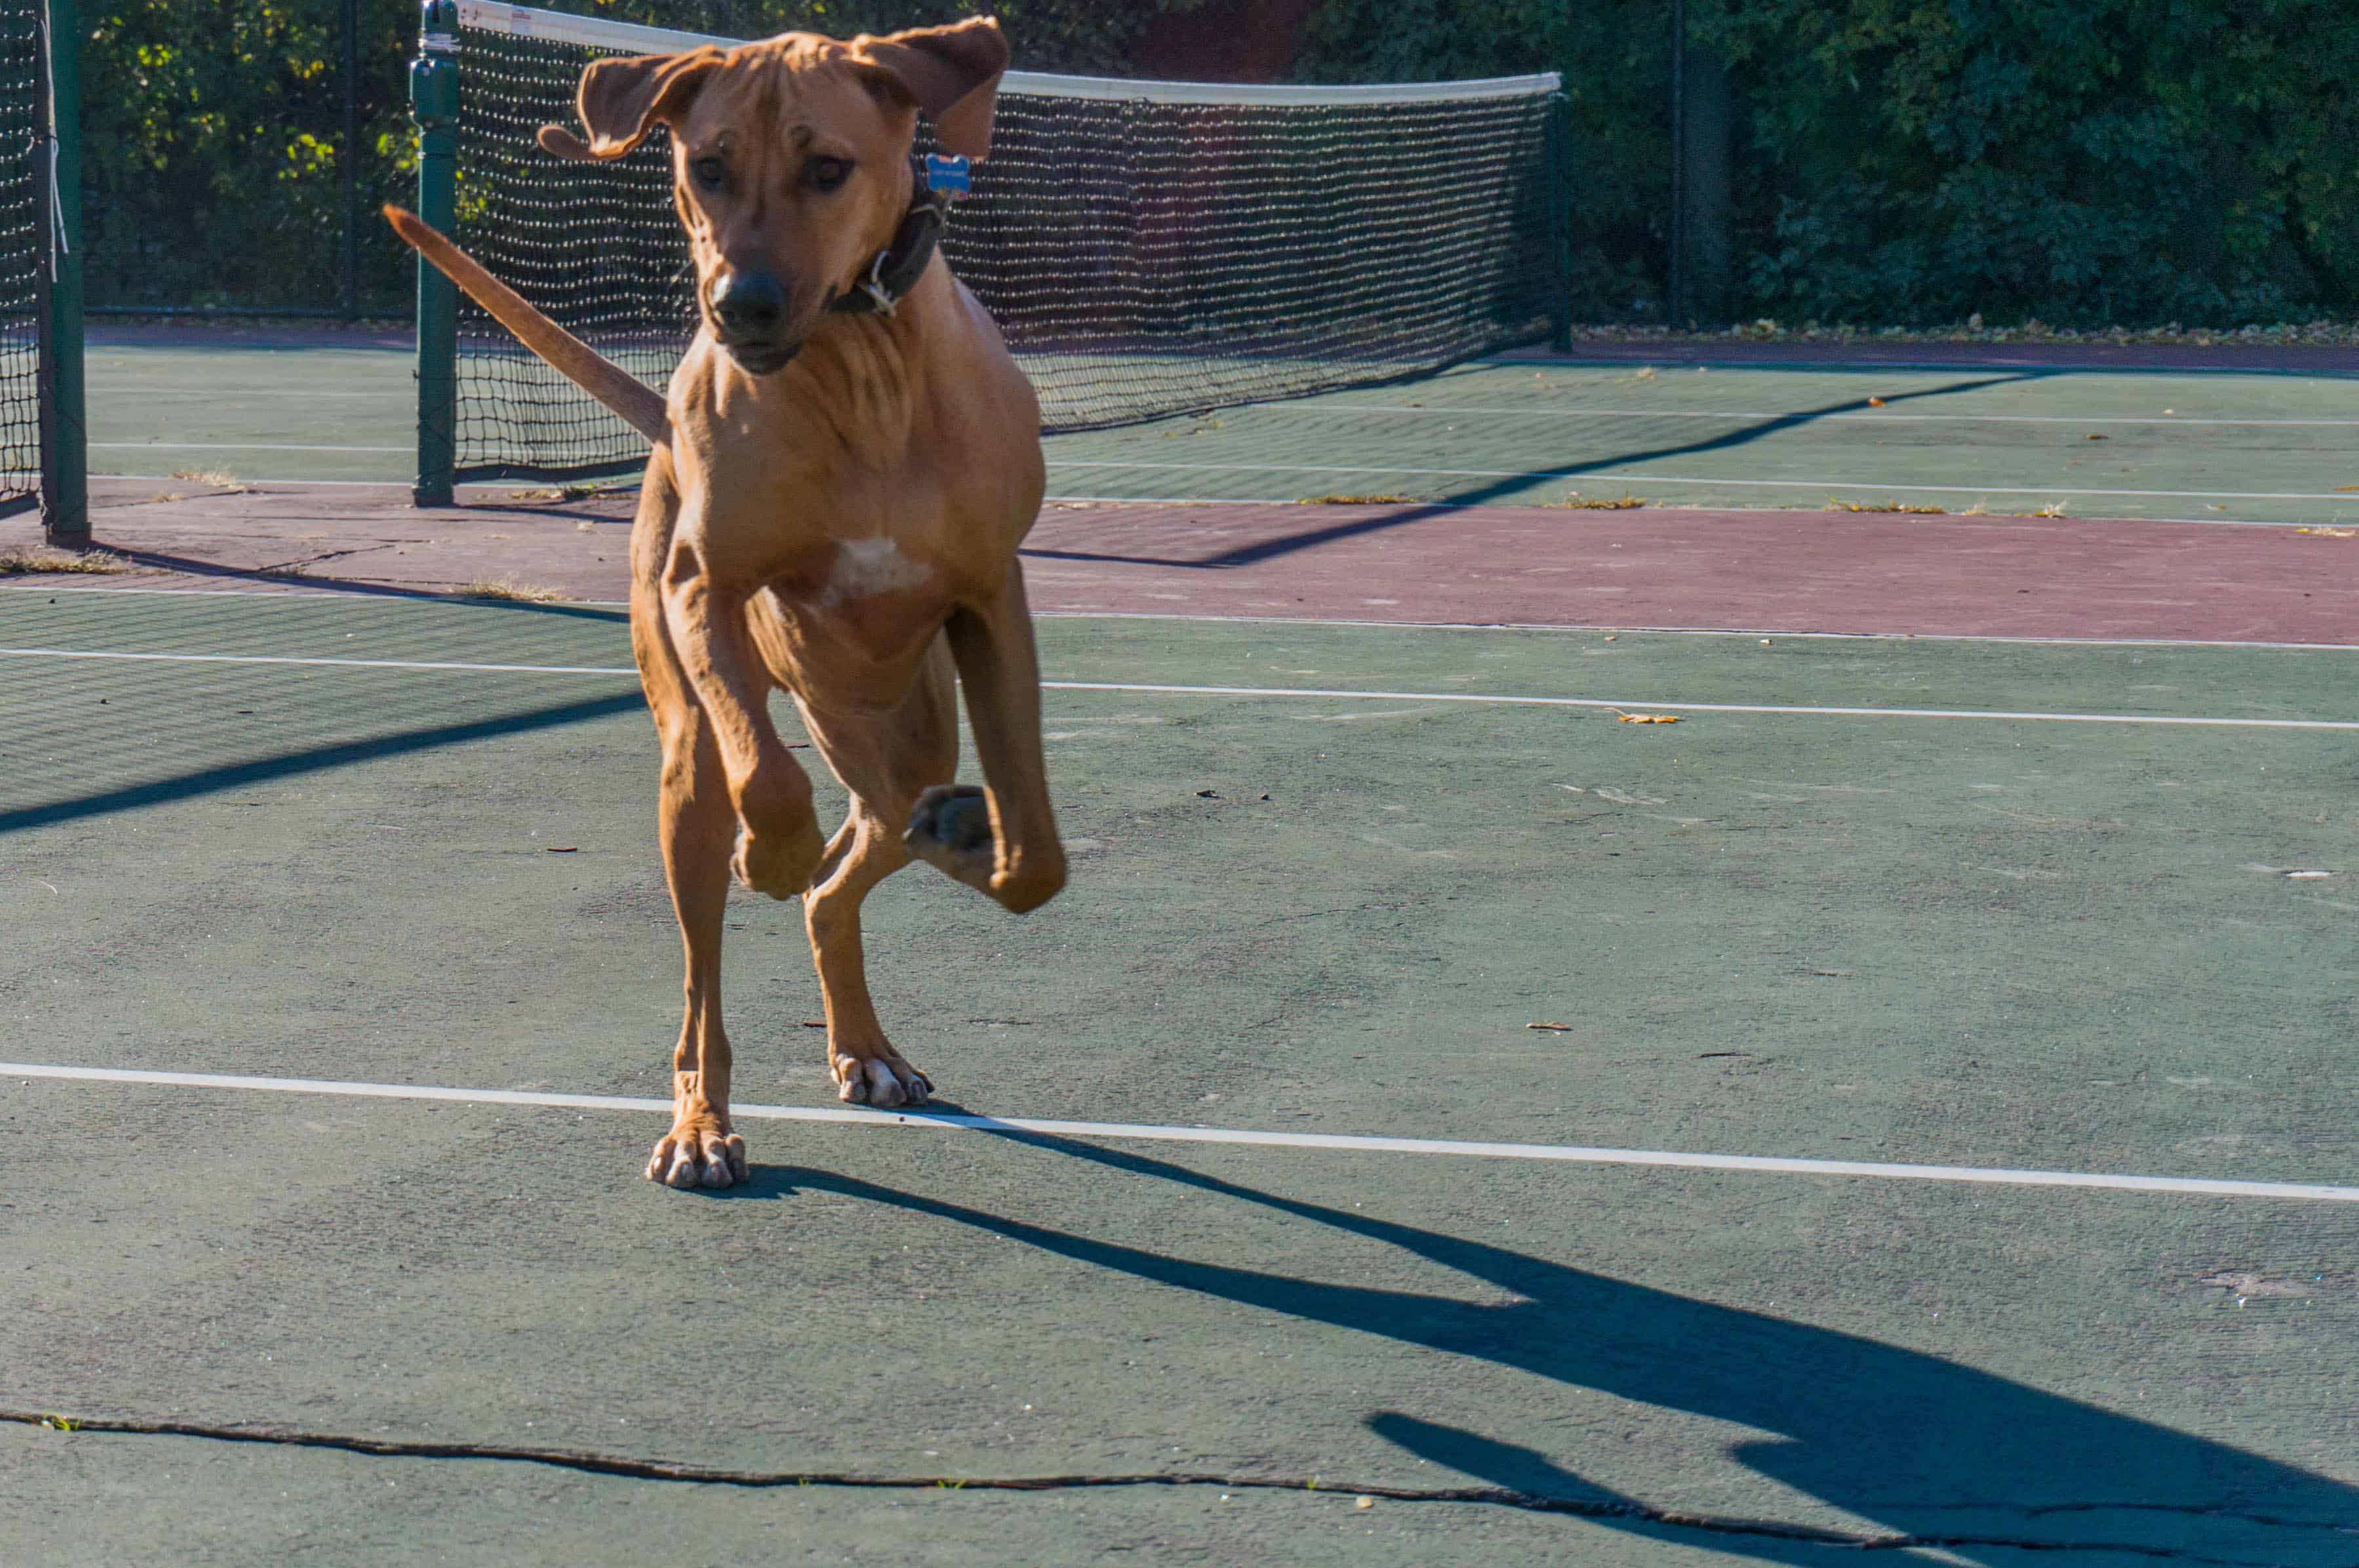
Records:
x=790, y=159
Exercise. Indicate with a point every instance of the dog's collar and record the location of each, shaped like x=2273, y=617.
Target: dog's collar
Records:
x=897, y=268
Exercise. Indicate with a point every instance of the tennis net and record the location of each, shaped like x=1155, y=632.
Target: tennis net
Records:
x=24, y=250
x=1147, y=248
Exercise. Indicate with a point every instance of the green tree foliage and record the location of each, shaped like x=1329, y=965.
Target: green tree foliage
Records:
x=1616, y=59
x=211, y=169
x=2086, y=163
x=1896, y=161
x=213, y=173
x=1913, y=161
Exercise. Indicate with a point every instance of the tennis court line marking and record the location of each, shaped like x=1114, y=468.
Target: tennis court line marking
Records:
x=1688, y=479
x=1554, y=629
x=1800, y=416
x=1559, y=1153
x=1670, y=359
x=231, y=446
x=260, y=486
x=1323, y=693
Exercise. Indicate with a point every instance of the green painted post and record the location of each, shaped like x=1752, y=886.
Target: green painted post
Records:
x=1559, y=130
x=65, y=450
x=434, y=104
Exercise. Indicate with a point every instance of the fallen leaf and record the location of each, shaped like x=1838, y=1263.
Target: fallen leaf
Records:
x=1208, y=794
x=2330, y=533
x=1365, y=1503
x=1644, y=718
x=814, y=1023
x=563, y=848
x=1560, y=1028
x=1837, y=504
x=2096, y=437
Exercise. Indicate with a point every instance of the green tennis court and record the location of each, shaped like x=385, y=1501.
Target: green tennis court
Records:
x=2213, y=445
x=1874, y=909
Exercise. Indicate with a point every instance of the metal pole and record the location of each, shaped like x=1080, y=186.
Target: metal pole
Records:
x=65, y=451
x=1559, y=132
x=434, y=104
x=349, y=155
x=1675, y=303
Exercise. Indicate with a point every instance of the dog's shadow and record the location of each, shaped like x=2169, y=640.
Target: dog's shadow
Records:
x=1924, y=1447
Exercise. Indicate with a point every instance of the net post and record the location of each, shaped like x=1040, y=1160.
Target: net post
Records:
x=1559, y=146
x=65, y=451
x=348, y=161
x=434, y=105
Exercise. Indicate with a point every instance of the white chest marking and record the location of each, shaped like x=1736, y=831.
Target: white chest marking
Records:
x=866, y=568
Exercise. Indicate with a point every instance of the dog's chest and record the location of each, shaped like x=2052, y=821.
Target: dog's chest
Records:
x=865, y=569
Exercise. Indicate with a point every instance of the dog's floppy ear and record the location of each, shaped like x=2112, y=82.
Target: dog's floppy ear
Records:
x=619, y=99
x=952, y=73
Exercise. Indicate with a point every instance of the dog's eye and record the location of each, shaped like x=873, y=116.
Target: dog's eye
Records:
x=827, y=174
x=708, y=171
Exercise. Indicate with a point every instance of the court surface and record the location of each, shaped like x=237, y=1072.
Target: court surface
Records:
x=1967, y=429
x=1812, y=1221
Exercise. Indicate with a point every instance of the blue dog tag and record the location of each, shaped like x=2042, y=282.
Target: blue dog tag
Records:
x=944, y=172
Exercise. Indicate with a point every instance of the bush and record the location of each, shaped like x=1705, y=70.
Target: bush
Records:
x=1903, y=162
x=1913, y=161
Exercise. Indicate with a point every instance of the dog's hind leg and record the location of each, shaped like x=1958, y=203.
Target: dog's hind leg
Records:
x=1003, y=840
x=885, y=760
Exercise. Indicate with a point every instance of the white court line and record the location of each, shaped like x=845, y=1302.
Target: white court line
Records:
x=1495, y=699
x=1804, y=415
x=1561, y=1153
x=328, y=663
x=1554, y=629
x=260, y=486
x=231, y=446
x=1688, y=479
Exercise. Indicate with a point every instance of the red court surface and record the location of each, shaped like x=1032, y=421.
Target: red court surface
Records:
x=1874, y=574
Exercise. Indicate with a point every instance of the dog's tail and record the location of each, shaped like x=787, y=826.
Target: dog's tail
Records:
x=620, y=390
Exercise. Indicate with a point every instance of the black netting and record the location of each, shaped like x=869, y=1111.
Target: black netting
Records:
x=23, y=193
x=1143, y=259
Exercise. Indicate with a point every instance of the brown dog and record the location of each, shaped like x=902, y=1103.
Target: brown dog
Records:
x=840, y=480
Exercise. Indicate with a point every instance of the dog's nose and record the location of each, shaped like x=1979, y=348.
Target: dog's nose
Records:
x=748, y=304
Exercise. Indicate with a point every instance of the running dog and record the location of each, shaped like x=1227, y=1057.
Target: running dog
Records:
x=843, y=468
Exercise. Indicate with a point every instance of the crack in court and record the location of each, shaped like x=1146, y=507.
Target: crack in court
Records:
x=589, y=1461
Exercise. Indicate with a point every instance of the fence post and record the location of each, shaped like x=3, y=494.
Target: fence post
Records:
x=348, y=160
x=434, y=104
x=1560, y=133
x=1675, y=291
x=65, y=450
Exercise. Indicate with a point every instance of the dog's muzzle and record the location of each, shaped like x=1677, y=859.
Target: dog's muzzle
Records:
x=749, y=308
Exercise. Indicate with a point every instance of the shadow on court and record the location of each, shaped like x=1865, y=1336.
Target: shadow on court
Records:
x=359, y=588
x=1312, y=539
x=1878, y=1432
x=312, y=759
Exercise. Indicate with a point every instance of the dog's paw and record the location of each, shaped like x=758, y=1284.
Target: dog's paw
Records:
x=950, y=828
x=698, y=1154
x=883, y=1081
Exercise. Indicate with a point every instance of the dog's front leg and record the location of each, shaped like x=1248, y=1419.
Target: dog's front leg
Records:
x=1003, y=840
x=778, y=842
